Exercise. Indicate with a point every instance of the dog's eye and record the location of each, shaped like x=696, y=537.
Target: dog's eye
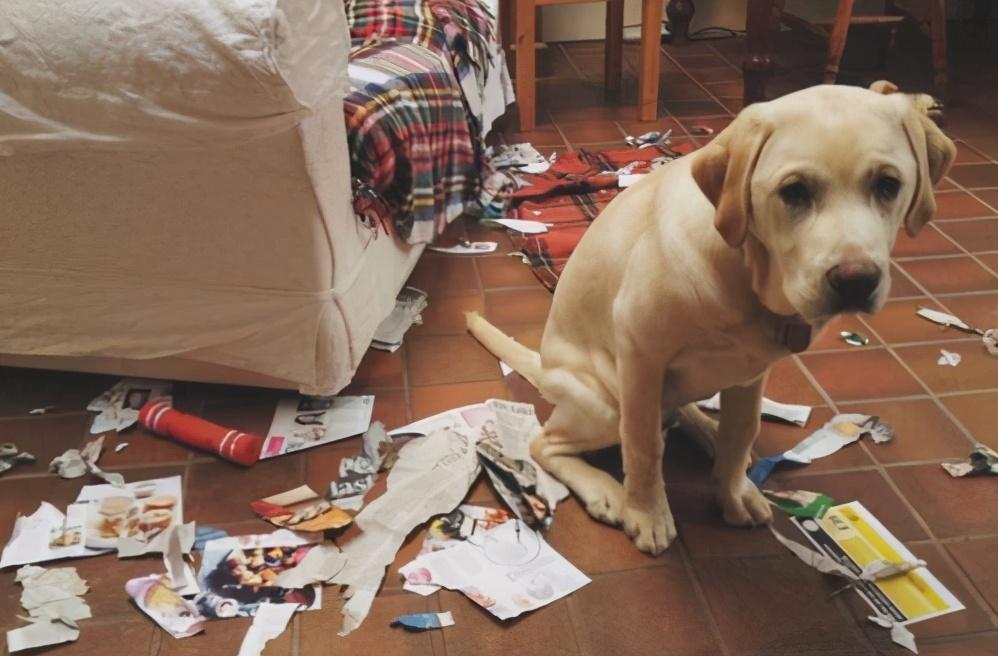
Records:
x=886, y=187
x=796, y=194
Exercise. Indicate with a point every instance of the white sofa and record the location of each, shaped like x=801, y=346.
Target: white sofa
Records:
x=175, y=193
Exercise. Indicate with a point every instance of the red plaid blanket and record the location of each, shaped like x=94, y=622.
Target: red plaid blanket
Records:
x=572, y=193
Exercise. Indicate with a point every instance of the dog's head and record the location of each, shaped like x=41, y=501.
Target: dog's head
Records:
x=814, y=186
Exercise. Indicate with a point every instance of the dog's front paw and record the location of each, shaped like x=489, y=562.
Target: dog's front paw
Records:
x=652, y=529
x=745, y=505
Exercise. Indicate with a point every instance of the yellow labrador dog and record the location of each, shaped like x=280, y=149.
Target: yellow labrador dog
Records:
x=698, y=278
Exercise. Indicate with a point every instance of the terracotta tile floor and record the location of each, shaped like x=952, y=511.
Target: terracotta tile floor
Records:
x=717, y=590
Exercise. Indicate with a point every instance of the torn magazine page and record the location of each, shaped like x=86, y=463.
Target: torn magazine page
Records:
x=311, y=421
x=507, y=570
x=800, y=503
x=47, y=534
x=139, y=511
x=269, y=622
x=839, y=431
x=983, y=460
x=155, y=596
x=119, y=406
x=300, y=509
x=409, y=303
x=448, y=531
x=888, y=577
x=74, y=463
x=238, y=574
x=424, y=621
x=794, y=414
x=431, y=476
x=526, y=488
x=514, y=156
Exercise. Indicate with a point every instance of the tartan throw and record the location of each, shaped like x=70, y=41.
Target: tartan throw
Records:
x=418, y=73
x=569, y=196
x=409, y=136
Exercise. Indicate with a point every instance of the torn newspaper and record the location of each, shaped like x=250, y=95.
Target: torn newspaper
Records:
x=53, y=599
x=358, y=473
x=794, y=414
x=431, y=476
x=982, y=460
x=269, y=622
x=74, y=463
x=11, y=456
x=311, y=421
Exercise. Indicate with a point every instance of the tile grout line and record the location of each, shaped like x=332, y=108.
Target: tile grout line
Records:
x=710, y=94
x=691, y=574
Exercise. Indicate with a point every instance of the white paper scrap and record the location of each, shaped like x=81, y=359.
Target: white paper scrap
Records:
x=525, y=226
x=47, y=534
x=74, y=463
x=268, y=623
x=40, y=634
x=795, y=414
x=467, y=248
x=943, y=318
x=948, y=358
x=120, y=447
x=505, y=368
x=628, y=179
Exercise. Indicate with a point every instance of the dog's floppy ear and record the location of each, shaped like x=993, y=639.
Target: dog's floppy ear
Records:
x=884, y=87
x=723, y=171
x=934, y=153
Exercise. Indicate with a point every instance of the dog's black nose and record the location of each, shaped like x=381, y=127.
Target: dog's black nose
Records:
x=855, y=283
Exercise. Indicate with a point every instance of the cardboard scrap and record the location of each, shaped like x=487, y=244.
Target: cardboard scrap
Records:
x=409, y=303
x=508, y=570
x=155, y=596
x=269, y=622
x=74, y=463
x=424, y=621
x=983, y=460
x=52, y=598
x=839, y=431
x=851, y=543
x=300, y=509
x=794, y=414
x=119, y=406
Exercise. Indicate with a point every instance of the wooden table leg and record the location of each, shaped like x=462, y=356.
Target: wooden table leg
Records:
x=759, y=41
x=837, y=40
x=614, y=45
x=651, y=44
x=680, y=13
x=525, y=63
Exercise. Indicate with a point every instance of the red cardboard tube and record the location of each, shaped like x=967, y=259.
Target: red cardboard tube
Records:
x=161, y=418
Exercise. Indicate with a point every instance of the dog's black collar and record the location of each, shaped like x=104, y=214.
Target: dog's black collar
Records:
x=793, y=333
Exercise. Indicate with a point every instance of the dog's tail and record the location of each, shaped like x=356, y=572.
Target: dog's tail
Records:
x=524, y=361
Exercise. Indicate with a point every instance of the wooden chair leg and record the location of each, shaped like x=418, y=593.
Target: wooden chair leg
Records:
x=651, y=44
x=760, y=35
x=940, y=76
x=837, y=40
x=614, y=45
x=525, y=64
